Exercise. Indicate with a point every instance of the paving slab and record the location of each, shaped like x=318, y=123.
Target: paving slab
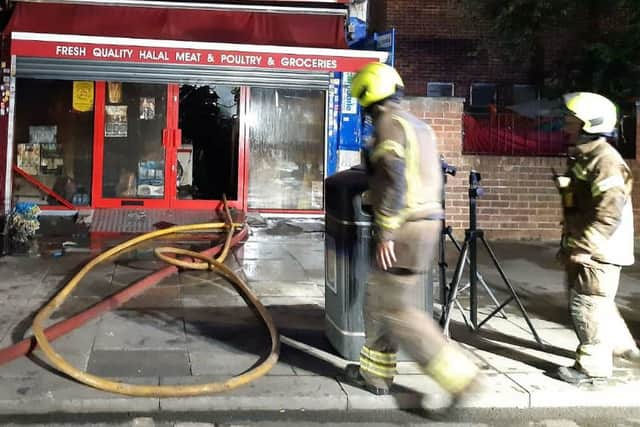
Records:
x=292, y=301
x=12, y=317
x=37, y=364
x=71, y=396
x=285, y=289
x=21, y=395
x=279, y=270
x=211, y=285
x=266, y=393
x=143, y=330
x=419, y=391
x=548, y=392
x=139, y=363
x=217, y=362
x=224, y=316
x=235, y=338
x=156, y=298
x=22, y=269
x=78, y=340
x=72, y=305
x=53, y=393
x=261, y=251
x=201, y=303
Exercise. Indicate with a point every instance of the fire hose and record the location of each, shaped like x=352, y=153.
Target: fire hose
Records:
x=205, y=262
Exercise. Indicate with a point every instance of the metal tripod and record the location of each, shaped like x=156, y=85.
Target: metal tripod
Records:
x=468, y=254
x=446, y=231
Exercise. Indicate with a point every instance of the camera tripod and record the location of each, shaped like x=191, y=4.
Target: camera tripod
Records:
x=446, y=231
x=469, y=249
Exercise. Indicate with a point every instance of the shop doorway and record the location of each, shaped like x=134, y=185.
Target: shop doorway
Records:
x=168, y=146
x=207, y=158
x=132, y=148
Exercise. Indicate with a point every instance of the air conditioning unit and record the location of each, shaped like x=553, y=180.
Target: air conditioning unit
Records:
x=524, y=93
x=482, y=94
x=438, y=89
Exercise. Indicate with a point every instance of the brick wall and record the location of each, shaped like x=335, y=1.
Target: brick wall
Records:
x=438, y=41
x=435, y=42
x=520, y=200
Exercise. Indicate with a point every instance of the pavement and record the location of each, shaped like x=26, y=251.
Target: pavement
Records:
x=193, y=327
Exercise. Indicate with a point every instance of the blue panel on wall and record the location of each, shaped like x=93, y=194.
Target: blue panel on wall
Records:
x=385, y=42
x=349, y=117
x=333, y=127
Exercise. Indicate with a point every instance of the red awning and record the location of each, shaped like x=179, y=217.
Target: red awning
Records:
x=264, y=28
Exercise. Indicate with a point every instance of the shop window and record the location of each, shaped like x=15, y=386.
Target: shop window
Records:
x=287, y=145
x=438, y=89
x=133, y=159
x=53, y=139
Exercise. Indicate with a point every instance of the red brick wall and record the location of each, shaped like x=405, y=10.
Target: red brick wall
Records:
x=435, y=42
x=438, y=41
x=520, y=200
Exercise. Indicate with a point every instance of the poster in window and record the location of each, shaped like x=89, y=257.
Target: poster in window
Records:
x=43, y=134
x=115, y=124
x=29, y=158
x=82, y=96
x=114, y=90
x=147, y=108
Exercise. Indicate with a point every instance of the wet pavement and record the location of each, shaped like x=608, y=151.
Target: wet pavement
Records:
x=193, y=327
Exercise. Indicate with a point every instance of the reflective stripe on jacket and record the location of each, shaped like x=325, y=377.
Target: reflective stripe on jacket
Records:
x=407, y=180
x=598, y=216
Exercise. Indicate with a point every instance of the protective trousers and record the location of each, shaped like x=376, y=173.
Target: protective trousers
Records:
x=600, y=328
x=392, y=321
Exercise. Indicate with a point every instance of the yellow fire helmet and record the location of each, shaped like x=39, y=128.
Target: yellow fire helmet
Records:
x=375, y=82
x=599, y=115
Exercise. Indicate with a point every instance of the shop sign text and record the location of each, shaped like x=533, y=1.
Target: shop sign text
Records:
x=145, y=54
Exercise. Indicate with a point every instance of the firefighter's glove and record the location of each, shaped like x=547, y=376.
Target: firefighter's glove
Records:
x=385, y=254
x=581, y=258
x=561, y=182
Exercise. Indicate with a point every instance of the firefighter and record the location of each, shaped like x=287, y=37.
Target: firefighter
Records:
x=405, y=182
x=597, y=236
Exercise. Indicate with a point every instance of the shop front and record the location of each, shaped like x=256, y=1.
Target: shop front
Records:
x=121, y=120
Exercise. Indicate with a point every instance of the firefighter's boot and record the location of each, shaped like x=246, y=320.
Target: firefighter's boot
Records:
x=631, y=356
x=363, y=380
x=574, y=375
x=455, y=373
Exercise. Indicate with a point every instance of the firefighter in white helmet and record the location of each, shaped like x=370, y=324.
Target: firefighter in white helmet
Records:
x=597, y=236
x=405, y=191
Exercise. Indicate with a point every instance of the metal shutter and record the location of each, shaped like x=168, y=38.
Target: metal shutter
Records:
x=64, y=69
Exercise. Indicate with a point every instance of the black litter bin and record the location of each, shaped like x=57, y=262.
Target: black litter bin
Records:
x=348, y=244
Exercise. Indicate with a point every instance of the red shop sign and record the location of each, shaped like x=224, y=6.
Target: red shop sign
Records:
x=223, y=55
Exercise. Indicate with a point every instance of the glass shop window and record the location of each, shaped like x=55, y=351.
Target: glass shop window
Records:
x=133, y=159
x=54, y=139
x=287, y=147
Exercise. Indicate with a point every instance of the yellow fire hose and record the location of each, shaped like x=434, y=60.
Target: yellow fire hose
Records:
x=205, y=263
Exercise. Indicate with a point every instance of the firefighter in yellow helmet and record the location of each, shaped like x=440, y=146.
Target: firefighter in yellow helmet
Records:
x=597, y=236
x=405, y=193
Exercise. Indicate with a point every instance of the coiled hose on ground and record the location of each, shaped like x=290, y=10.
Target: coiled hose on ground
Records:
x=205, y=263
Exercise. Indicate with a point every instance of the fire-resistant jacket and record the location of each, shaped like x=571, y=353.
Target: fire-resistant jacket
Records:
x=406, y=183
x=598, y=217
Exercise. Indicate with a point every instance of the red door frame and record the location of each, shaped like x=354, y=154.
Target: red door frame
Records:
x=240, y=202
x=171, y=138
x=97, y=199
